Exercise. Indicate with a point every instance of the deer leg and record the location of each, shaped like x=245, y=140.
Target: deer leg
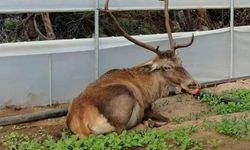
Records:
x=157, y=116
x=119, y=111
x=150, y=113
x=152, y=123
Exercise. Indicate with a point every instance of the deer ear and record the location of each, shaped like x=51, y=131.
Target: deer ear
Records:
x=154, y=67
x=151, y=65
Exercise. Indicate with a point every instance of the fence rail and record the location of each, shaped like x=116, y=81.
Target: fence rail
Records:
x=23, y=6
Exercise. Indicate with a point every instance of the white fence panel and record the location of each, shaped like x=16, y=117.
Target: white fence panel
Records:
x=242, y=51
x=25, y=77
x=45, y=47
x=242, y=3
x=197, y=58
x=24, y=80
x=208, y=58
x=19, y=6
x=71, y=73
x=173, y=4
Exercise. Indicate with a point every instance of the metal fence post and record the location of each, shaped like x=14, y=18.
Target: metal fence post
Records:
x=231, y=38
x=96, y=39
x=50, y=79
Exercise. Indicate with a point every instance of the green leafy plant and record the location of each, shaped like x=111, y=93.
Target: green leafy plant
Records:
x=151, y=139
x=183, y=140
x=232, y=107
x=11, y=23
x=239, y=128
x=243, y=94
x=221, y=108
x=209, y=98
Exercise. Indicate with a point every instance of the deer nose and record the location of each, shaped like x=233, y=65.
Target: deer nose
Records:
x=194, y=87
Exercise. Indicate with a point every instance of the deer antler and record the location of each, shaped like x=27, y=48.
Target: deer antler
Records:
x=173, y=45
x=125, y=34
x=156, y=50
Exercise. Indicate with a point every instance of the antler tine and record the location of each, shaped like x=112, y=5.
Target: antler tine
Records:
x=167, y=25
x=172, y=43
x=126, y=35
x=185, y=45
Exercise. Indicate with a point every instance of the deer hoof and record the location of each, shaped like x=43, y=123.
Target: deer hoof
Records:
x=151, y=123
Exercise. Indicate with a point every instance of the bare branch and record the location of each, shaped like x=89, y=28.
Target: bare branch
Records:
x=48, y=26
x=37, y=29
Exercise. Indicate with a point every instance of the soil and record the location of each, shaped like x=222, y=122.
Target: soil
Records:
x=16, y=110
x=230, y=86
x=216, y=141
x=174, y=107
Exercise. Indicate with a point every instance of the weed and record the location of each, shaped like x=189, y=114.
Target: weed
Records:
x=182, y=139
x=151, y=139
x=11, y=23
x=239, y=128
x=210, y=99
x=233, y=127
x=231, y=107
x=222, y=108
x=243, y=94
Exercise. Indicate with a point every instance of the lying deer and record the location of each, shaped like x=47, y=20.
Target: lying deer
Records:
x=121, y=98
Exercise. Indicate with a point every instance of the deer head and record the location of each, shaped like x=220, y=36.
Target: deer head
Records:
x=167, y=61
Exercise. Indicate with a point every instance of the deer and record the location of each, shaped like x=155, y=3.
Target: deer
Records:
x=121, y=98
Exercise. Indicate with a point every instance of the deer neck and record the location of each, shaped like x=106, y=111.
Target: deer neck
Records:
x=160, y=85
x=152, y=83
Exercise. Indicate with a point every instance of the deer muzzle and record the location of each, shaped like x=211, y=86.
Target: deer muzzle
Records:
x=192, y=87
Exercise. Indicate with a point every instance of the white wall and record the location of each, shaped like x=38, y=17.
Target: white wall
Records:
x=25, y=74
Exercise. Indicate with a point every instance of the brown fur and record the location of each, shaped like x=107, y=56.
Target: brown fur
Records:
x=121, y=96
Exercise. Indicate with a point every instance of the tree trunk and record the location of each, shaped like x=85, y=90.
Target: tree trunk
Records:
x=48, y=26
x=204, y=20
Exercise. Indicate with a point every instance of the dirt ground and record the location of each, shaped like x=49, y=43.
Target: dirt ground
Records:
x=175, y=107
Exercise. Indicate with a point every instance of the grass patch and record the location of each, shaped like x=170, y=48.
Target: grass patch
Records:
x=243, y=94
x=222, y=108
x=238, y=128
x=234, y=127
x=151, y=139
x=182, y=139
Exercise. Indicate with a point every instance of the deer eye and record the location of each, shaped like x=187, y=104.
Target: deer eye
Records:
x=167, y=68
